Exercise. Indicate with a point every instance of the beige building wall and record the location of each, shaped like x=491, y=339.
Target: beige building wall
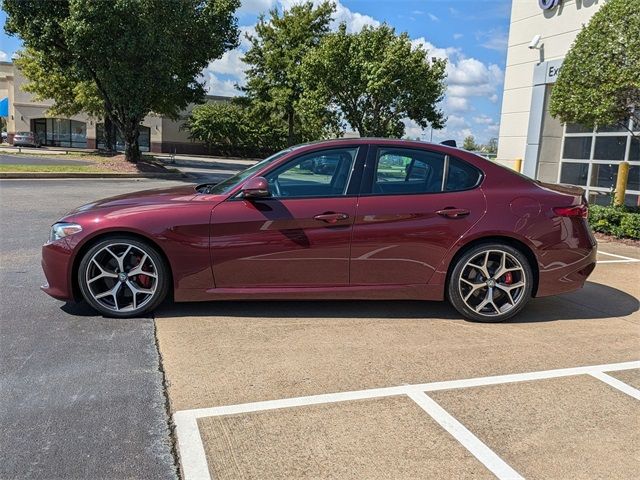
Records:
x=558, y=28
x=165, y=135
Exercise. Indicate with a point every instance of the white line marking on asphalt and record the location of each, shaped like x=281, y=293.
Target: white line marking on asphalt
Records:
x=191, y=449
x=622, y=259
x=476, y=447
x=618, y=384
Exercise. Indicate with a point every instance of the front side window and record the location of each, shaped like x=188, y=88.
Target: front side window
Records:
x=324, y=173
x=406, y=171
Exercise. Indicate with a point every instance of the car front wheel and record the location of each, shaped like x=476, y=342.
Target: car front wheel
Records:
x=490, y=283
x=123, y=277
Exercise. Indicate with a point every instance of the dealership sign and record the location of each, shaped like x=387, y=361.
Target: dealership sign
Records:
x=548, y=4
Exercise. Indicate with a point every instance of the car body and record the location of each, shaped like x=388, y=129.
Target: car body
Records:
x=26, y=139
x=379, y=227
x=5, y=136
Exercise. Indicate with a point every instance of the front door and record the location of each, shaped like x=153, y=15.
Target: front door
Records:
x=298, y=237
x=415, y=205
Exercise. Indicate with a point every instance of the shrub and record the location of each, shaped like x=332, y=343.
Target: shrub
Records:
x=621, y=222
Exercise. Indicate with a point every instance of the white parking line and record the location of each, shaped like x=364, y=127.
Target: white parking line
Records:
x=615, y=383
x=191, y=449
x=621, y=258
x=484, y=454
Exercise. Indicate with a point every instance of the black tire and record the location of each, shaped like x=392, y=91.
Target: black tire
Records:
x=489, y=314
x=116, y=244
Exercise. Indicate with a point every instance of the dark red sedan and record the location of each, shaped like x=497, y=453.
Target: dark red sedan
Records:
x=383, y=219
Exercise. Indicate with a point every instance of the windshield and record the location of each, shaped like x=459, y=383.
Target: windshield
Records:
x=228, y=184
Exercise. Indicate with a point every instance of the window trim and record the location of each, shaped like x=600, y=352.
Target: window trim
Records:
x=366, y=184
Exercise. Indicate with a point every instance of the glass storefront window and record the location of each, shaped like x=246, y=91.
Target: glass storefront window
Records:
x=604, y=175
x=634, y=150
x=633, y=183
x=577, y=148
x=78, y=134
x=61, y=132
x=610, y=148
x=574, y=173
x=144, y=139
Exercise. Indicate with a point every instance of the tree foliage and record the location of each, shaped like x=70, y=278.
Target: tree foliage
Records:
x=274, y=86
x=374, y=80
x=230, y=128
x=141, y=56
x=599, y=82
x=470, y=144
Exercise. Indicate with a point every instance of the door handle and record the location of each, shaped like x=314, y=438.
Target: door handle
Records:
x=331, y=217
x=453, y=212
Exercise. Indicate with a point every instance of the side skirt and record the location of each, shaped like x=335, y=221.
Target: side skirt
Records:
x=351, y=292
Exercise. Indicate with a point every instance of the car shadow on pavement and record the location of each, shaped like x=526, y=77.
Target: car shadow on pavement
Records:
x=594, y=301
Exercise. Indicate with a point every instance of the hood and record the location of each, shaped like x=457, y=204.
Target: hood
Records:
x=181, y=194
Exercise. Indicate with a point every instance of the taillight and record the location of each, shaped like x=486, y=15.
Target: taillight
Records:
x=575, y=211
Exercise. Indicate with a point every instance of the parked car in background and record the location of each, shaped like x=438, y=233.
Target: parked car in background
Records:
x=4, y=137
x=26, y=139
x=385, y=219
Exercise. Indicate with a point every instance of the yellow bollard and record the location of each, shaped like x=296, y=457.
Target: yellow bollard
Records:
x=517, y=166
x=621, y=183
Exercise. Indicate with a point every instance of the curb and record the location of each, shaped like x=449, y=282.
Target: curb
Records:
x=36, y=175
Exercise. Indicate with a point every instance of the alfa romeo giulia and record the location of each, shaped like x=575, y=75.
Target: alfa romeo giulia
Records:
x=384, y=219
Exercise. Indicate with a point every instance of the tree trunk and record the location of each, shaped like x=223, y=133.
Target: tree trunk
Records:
x=291, y=134
x=109, y=134
x=131, y=145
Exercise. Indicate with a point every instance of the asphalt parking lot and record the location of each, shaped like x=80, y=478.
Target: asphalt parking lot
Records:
x=310, y=389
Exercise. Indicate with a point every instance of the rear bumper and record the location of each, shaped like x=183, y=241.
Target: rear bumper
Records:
x=562, y=277
x=56, y=264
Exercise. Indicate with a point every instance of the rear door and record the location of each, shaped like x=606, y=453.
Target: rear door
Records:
x=414, y=205
x=300, y=235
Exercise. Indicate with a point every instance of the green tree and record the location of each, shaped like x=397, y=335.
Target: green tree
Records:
x=374, y=80
x=142, y=56
x=274, y=61
x=70, y=93
x=492, y=145
x=470, y=144
x=599, y=83
x=231, y=128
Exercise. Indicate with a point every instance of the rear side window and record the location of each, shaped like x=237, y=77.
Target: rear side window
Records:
x=407, y=171
x=461, y=176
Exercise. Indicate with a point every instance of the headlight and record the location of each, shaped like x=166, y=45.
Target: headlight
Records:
x=63, y=229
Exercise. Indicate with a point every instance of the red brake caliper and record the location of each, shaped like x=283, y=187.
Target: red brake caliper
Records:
x=143, y=280
x=508, y=278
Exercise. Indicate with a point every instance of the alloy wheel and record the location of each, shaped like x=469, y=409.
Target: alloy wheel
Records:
x=492, y=283
x=122, y=277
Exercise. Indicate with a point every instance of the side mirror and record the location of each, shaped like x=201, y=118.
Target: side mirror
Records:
x=256, y=187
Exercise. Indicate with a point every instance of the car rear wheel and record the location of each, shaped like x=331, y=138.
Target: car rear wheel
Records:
x=491, y=282
x=123, y=277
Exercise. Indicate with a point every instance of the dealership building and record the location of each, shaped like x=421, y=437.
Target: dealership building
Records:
x=22, y=113
x=540, y=35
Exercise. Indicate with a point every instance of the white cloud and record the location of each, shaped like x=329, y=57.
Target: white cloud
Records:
x=217, y=86
x=4, y=56
x=433, y=17
x=483, y=119
x=457, y=36
x=494, y=39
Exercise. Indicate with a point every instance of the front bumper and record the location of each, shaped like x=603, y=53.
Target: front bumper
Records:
x=57, y=259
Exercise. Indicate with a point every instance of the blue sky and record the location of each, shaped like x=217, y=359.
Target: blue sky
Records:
x=471, y=34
